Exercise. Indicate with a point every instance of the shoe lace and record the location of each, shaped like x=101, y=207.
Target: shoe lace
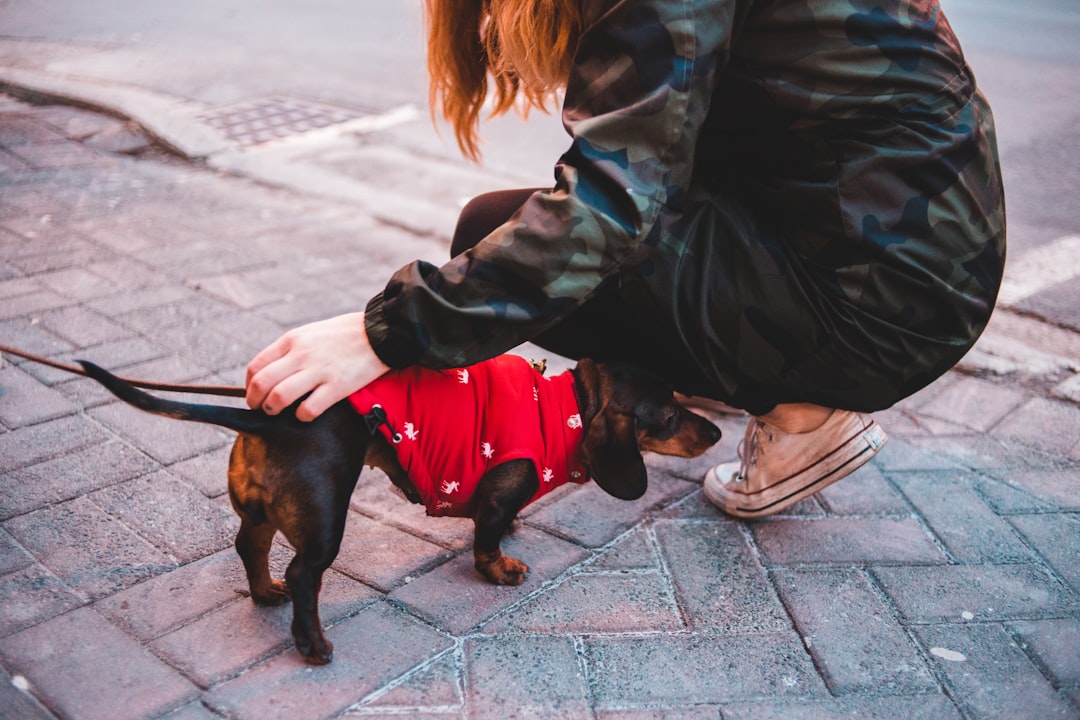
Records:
x=752, y=446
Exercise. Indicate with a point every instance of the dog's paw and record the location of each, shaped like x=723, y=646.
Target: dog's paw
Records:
x=276, y=594
x=320, y=652
x=506, y=571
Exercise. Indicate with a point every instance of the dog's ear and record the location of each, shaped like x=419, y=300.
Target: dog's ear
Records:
x=612, y=455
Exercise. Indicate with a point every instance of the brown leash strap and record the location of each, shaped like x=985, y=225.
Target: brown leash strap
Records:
x=224, y=390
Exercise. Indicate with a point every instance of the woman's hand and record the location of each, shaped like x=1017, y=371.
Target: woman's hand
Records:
x=330, y=359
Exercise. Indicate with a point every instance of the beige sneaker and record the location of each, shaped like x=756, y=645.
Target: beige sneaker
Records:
x=777, y=469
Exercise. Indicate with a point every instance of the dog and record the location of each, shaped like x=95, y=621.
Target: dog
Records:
x=297, y=477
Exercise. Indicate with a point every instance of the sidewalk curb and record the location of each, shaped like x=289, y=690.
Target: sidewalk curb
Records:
x=166, y=119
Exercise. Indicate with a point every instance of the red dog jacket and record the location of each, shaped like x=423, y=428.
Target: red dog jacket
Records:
x=450, y=426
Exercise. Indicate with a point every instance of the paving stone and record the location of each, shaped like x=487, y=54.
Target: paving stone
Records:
x=69, y=476
x=32, y=305
x=1056, y=538
x=27, y=335
x=591, y=517
x=1059, y=487
x=72, y=661
x=164, y=439
x=831, y=607
x=690, y=669
x=30, y=596
x=208, y=472
x=239, y=634
x=17, y=702
x=26, y=402
x=718, y=583
x=456, y=598
x=78, y=283
x=171, y=515
x=696, y=712
x=113, y=356
x=975, y=403
x=976, y=452
x=164, y=603
x=524, y=677
x=1055, y=645
x=864, y=492
x=83, y=327
x=968, y=528
x=384, y=556
x=845, y=541
x=989, y=675
x=597, y=603
x=437, y=686
x=919, y=707
x=91, y=552
x=12, y=556
x=633, y=551
x=986, y=592
x=371, y=649
x=1040, y=423
x=1005, y=499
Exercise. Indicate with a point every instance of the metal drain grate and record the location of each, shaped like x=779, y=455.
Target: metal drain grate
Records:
x=273, y=118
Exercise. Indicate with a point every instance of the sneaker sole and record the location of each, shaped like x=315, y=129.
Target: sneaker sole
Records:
x=852, y=454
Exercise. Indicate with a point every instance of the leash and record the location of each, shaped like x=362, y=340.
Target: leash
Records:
x=223, y=390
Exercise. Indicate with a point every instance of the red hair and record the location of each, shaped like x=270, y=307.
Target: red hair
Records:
x=523, y=48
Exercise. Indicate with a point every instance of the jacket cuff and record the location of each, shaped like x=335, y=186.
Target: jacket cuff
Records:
x=396, y=348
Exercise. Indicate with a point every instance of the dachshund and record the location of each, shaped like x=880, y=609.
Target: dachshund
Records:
x=297, y=477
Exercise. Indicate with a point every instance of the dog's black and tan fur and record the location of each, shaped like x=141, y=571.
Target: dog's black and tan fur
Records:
x=297, y=477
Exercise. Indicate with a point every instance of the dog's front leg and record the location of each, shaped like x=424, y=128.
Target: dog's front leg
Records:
x=501, y=493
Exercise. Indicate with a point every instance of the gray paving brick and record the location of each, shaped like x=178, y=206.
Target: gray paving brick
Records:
x=77, y=283
x=601, y=603
x=864, y=492
x=696, y=712
x=371, y=649
x=171, y=515
x=919, y=707
x=900, y=454
x=31, y=337
x=83, y=327
x=456, y=598
x=12, y=555
x=72, y=661
x=239, y=634
x=590, y=517
x=26, y=402
x=111, y=355
x=36, y=443
x=90, y=551
x=524, y=677
x=633, y=551
x=995, y=678
x=1006, y=499
x=977, y=404
x=69, y=476
x=830, y=608
x=719, y=584
x=436, y=686
x=32, y=595
x=1058, y=487
x=384, y=556
x=1055, y=644
x=970, y=530
x=166, y=602
x=207, y=472
x=1056, y=537
x=164, y=439
x=690, y=669
x=1041, y=423
x=845, y=541
x=33, y=303
x=986, y=592
x=18, y=702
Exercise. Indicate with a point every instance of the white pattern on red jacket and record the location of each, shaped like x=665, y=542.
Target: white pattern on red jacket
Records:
x=446, y=442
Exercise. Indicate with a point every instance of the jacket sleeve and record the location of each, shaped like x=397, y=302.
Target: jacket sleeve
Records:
x=636, y=98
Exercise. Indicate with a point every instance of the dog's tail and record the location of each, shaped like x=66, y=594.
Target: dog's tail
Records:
x=239, y=419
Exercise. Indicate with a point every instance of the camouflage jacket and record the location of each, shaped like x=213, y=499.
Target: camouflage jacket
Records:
x=855, y=123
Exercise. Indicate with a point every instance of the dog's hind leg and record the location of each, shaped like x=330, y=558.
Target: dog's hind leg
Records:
x=253, y=545
x=253, y=541
x=501, y=493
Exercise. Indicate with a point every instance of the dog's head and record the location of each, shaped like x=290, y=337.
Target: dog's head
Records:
x=626, y=411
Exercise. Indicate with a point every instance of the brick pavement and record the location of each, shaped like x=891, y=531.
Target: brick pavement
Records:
x=940, y=581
